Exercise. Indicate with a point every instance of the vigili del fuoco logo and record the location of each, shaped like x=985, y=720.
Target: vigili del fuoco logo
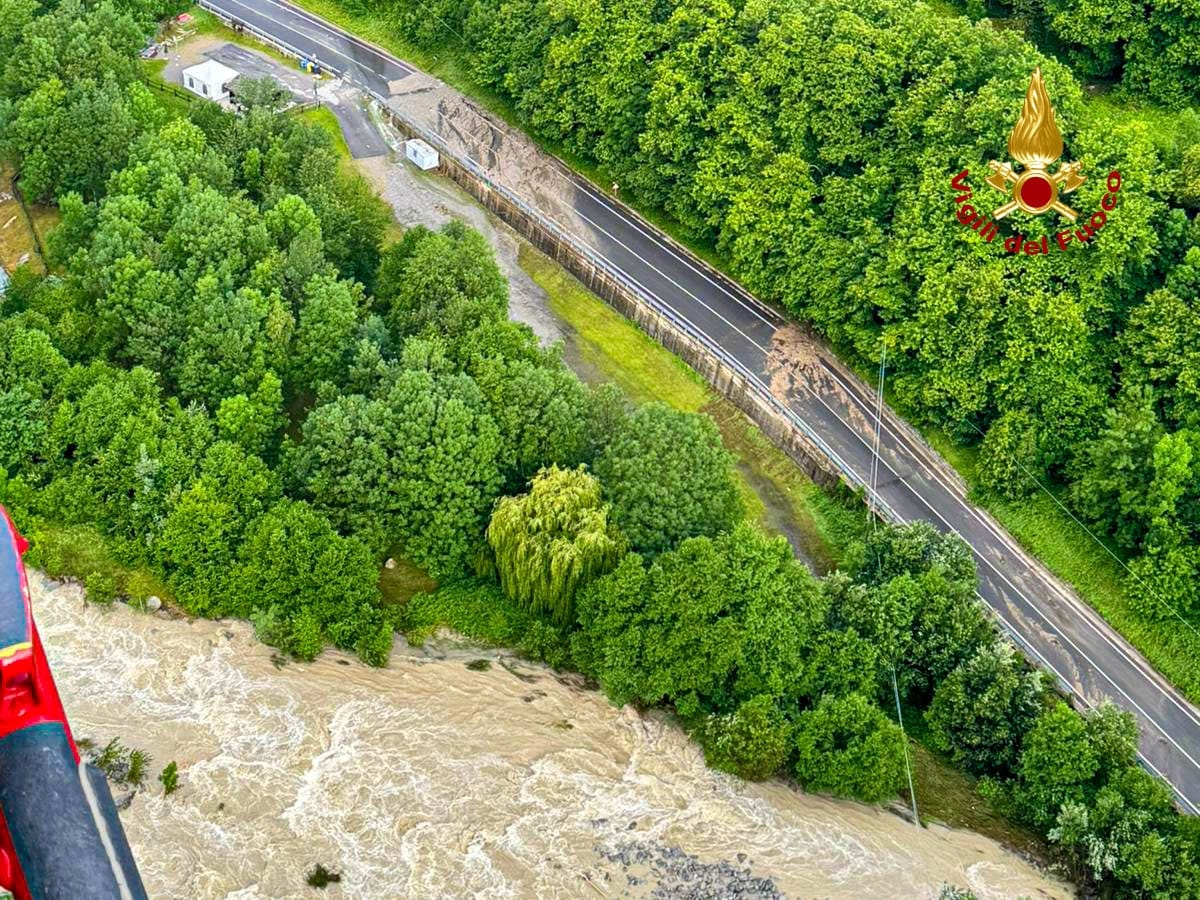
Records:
x=1036, y=144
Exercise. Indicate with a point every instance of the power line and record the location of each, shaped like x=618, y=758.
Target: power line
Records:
x=1049, y=493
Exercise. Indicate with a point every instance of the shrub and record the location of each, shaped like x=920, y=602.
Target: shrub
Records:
x=553, y=541
x=474, y=608
x=848, y=747
x=169, y=777
x=320, y=877
x=544, y=643
x=984, y=709
x=101, y=587
x=751, y=742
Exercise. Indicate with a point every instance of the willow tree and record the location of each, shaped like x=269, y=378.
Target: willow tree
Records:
x=553, y=540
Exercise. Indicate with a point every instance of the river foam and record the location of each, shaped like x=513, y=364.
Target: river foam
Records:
x=430, y=780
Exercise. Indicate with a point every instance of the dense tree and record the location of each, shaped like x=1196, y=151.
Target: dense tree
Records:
x=541, y=410
x=948, y=626
x=668, y=477
x=553, y=541
x=847, y=747
x=1151, y=46
x=913, y=549
x=712, y=622
x=445, y=283
x=662, y=633
x=326, y=330
x=1008, y=457
x=206, y=525
x=227, y=350
x=265, y=92
x=1114, y=484
x=982, y=711
x=842, y=662
x=254, y=422
x=71, y=105
x=1123, y=833
x=1057, y=764
x=309, y=581
x=418, y=465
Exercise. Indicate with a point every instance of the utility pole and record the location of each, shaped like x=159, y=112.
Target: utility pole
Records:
x=904, y=738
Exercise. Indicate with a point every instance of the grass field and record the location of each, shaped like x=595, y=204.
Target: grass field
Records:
x=171, y=96
x=325, y=120
x=82, y=552
x=204, y=22
x=402, y=582
x=950, y=796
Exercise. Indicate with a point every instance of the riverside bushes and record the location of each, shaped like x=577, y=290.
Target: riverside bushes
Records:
x=775, y=672
x=209, y=385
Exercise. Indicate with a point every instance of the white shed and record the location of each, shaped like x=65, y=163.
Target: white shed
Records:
x=210, y=79
x=421, y=154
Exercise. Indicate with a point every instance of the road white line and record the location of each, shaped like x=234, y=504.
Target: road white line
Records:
x=246, y=13
x=334, y=31
x=1150, y=720
x=1093, y=620
x=971, y=512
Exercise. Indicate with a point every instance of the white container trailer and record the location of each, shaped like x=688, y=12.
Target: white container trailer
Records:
x=420, y=154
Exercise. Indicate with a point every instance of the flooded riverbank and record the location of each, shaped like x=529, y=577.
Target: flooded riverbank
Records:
x=429, y=779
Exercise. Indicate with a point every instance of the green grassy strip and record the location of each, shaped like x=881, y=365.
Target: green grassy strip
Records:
x=1038, y=525
x=617, y=350
x=1047, y=531
x=206, y=23
x=173, y=98
x=322, y=117
x=477, y=609
x=79, y=551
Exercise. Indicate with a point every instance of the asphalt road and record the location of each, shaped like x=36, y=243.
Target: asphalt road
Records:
x=1057, y=629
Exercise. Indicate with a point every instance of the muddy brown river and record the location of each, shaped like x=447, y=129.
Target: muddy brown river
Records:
x=428, y=780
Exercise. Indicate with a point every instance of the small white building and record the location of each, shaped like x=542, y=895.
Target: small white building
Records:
x=210, y=79
x=421, y=154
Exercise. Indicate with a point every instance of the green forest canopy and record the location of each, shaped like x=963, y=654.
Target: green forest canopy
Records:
x=812, y=143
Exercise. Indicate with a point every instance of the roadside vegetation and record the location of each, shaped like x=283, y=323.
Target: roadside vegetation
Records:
x=807, y=149
x=240, y=389
x=822, y=524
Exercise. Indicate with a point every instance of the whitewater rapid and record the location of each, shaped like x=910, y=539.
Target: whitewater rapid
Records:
x=428, y=779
